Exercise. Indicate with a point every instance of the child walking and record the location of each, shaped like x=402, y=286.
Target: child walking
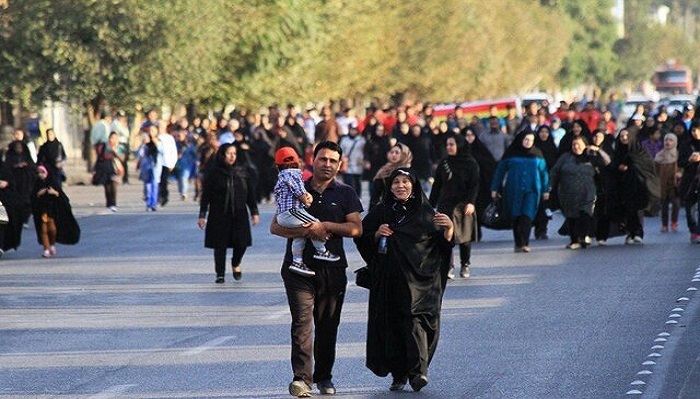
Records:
x=147, y=165
x=292, y=199
x=53, y=217
x=666, y=163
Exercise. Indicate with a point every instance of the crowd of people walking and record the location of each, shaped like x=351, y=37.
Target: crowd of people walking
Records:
x=430, y=182
x=31, y=185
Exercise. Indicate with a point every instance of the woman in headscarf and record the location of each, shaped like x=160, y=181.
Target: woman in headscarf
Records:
x=689, y=189
x=227, y=197
x=21, y=165
x=112, y=158
x=637, y=182
x=666, y=162
x=454, y=193
x=487, y=168
x=573, y=178
x=13, y=212
x=522, y=180
x=578, y=128
x=53, y=216
x=544, y=141
x=399, y=156
x=52, y=156
x=606, y=192
x=378, y=144
x=408, y=280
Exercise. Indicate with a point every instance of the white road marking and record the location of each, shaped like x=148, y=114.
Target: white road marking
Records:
x=208, y=345
x=114, y=391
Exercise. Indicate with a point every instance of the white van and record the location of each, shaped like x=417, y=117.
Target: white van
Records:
x=539, y=98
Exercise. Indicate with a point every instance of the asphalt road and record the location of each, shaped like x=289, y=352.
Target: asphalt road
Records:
x=133, y=311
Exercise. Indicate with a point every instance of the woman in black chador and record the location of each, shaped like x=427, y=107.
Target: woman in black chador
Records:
x=408, y=248
x=52, y=156
x=14, y=209
x=23, y=169
x=53, y=216
x=227, y=197
x=637, y=182
x=454, y=193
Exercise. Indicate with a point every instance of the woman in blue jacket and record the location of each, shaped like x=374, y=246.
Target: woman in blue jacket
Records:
x=522, y=179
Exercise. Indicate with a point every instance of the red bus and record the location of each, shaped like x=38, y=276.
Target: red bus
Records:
x=673, y=78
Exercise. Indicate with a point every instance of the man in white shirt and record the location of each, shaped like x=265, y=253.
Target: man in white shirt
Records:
x=347, y=120
x=169, y=159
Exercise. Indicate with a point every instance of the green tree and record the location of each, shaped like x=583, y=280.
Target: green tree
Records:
x=125, y=51
x=648, y=44
x=590, y=58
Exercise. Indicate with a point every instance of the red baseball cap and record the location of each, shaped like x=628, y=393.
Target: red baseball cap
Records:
x=286, y=155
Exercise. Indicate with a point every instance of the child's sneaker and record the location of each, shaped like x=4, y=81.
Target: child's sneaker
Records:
x=300, y=268
x=327, y=256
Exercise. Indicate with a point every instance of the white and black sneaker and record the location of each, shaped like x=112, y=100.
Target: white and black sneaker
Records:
x=327, y=256
x=302, y=269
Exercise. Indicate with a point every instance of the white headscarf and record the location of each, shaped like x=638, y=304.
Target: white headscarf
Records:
x=668, y=156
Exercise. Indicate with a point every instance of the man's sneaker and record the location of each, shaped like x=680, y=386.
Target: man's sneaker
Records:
x=327, y=256
x=637, y=239
x=326, y=387
x=464, y=271
x=451, y=272
x=299, y=389
x=300, y=268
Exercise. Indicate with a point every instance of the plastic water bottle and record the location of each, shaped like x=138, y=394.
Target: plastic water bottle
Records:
x=382, y=245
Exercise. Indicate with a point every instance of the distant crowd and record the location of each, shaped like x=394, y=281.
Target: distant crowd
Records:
x=181, y=148
x=367, y=141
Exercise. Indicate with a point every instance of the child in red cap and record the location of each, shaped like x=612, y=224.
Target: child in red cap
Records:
x=292, y=199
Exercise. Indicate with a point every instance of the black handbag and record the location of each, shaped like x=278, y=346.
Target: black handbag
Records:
x=363, y=277
x=495, y=217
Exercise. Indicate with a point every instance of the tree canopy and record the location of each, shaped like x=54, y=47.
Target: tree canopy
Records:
x=218, y=52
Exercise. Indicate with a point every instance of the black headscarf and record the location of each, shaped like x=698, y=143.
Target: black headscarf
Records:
x=516, y=149
x=463, y=158
x=51, y=152
x=548, y=148
x=482, y=154
x=641, y=172
x=227, y=172
x=401, y=211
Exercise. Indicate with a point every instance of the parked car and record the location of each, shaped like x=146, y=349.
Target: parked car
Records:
x=631, y=104
x=676, y=102
x=540, y=98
